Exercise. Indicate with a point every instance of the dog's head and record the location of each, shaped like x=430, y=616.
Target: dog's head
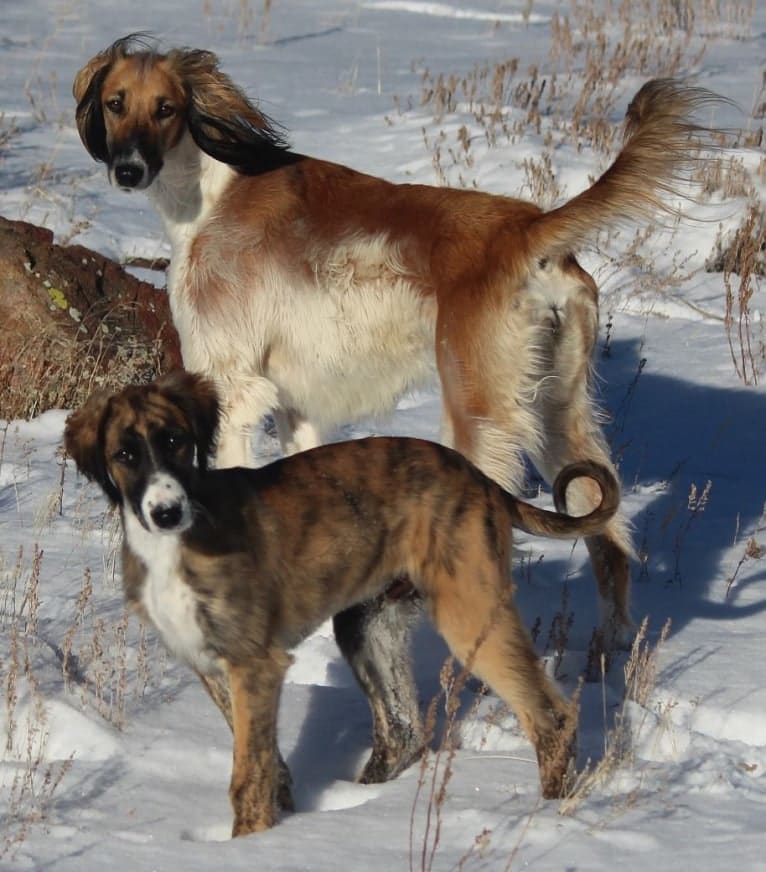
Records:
x=145, y=445
x=134, y=105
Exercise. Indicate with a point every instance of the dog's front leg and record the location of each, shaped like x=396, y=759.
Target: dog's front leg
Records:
x=218, y=688
x=245, y=401
x=235, y=448
x=255, y=778
x=296, y=433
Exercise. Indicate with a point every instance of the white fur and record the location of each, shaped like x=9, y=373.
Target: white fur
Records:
x=169, y=602
x=163, y=490
x=364, y=337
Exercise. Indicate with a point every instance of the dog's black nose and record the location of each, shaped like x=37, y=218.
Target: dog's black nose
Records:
x=167, y=517
x=128, y=175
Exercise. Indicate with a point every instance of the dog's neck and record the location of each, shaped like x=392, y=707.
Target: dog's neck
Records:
x=162, y=591
x=187, y=188
x=152, y=549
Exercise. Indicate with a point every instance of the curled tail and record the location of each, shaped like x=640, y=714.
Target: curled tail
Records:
x=661, y=141
x=558, y=524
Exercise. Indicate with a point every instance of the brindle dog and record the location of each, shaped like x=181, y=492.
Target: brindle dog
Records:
x=234, y=567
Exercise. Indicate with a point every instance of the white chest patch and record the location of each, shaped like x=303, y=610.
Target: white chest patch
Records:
x=169, y=601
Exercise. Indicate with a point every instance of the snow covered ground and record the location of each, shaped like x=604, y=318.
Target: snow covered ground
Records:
x=125, y=763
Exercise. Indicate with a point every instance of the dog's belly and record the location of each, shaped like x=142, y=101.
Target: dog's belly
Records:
x=340, y=340
x=348, y=356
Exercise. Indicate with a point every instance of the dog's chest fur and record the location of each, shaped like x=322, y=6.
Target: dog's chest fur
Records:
x=165, y=597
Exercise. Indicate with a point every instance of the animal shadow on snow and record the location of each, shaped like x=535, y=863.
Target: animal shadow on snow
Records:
x=669, y=435
x=666, y=434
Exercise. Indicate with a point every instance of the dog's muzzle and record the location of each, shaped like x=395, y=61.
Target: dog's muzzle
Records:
x=129, y=175
x=134, y=168
x=165, y=505
x=167, y=517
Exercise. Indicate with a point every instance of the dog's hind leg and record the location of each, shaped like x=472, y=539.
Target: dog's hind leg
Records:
x=374, y=637
x=570, y=432
x=485, y=632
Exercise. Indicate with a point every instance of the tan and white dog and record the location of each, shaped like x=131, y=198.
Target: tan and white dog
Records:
x=234, y=567
x=321, y=294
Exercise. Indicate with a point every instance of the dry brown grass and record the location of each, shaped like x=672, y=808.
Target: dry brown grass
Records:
x=436, y=767
x=247, y=18
x=752, y=550
x=25, y=773
x=105, y=659
x=591, y=54
x=578, y=95
x=741, y=257
x=54, y=370
x=640, y=680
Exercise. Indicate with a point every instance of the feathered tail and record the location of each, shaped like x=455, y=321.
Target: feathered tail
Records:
x=661, y=143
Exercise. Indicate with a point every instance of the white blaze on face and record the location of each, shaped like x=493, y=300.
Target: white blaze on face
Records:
x=165, y=505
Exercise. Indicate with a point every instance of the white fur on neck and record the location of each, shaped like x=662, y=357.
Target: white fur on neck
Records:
x=168, y=600
x=183, y=205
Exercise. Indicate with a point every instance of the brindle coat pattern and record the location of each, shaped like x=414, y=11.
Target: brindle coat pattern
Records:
x=273, y=552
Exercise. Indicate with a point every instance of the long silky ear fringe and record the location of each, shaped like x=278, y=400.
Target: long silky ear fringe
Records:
x=87, y=90
x=223, y=122
x=89, y=116
x=84, y=442
x=249, y=150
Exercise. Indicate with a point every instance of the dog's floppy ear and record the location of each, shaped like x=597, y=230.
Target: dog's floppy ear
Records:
x=87, y=92
x=198, y=398
x=89, y=114
x=84, y=441
x=222, y=121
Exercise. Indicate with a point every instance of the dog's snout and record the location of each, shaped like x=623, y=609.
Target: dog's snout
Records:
x=128, y=174
x=167, y=517
x=165, y=505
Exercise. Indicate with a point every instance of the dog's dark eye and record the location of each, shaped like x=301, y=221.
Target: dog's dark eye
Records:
x=175, y=441
x=114, y=105
x=126, y=457
x=166, y=110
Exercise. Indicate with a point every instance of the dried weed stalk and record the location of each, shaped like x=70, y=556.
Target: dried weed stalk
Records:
x=640, y=680
x=741, y=257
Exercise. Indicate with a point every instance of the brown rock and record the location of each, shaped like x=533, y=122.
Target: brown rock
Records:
x=72, y=320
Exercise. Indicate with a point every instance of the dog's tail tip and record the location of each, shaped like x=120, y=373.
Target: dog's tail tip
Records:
x=665, y=141
x=672, y=104
x=604, y=478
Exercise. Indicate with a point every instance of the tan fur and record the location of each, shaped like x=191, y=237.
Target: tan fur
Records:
x=271, y=553
x=321, y=294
